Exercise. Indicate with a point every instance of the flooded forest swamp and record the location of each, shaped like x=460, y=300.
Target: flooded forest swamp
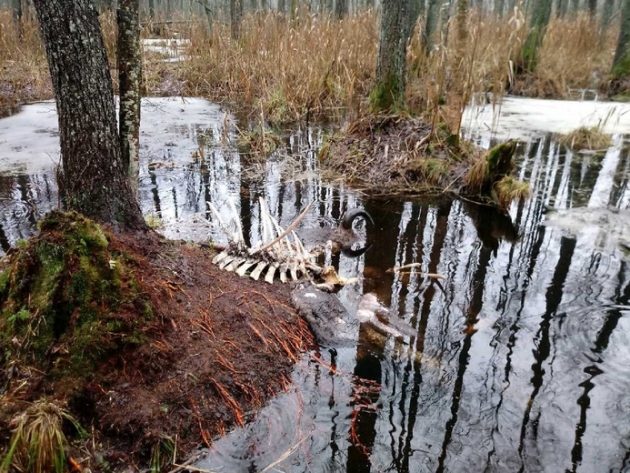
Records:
x=520, y=355
x=314, y=236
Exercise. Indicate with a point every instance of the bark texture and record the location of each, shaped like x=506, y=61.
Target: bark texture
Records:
x=431, y=25
x=389, y=91
x=92, y=179
x=540, y=19
x=129, y=77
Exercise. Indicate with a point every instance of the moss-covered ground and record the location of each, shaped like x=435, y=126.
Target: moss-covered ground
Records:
x=128, y=351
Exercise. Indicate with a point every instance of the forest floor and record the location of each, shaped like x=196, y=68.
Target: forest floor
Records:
x=215, y=348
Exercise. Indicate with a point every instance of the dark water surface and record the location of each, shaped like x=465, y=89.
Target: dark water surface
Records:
x=521, y=358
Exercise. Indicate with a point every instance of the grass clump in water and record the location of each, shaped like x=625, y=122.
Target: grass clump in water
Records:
x=586, y=138
x=510, y=189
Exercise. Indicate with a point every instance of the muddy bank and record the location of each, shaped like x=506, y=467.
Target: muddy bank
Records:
x=185, y=353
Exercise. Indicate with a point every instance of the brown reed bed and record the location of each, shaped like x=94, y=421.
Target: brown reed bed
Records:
x=315, y=67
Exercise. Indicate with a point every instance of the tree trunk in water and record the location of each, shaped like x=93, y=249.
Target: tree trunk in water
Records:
x=236, y=14
x=389, y=90
x=129, y=77
x=430, y=25
x=592, y=9
x=621, y=63
x=539, y=22
x=93, y=179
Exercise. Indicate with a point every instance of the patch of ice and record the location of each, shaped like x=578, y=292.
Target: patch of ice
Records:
x=29, y=140
x=172, y=49
x=526, y=118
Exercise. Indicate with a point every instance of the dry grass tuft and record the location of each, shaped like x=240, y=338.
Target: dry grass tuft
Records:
x=24, y=73
x=510, y=189
x=574, y=57
x=586, y=138
x=477, y=174
x=38, y=444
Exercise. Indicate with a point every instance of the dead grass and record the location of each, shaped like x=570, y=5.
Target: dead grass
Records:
x=510, y=189
x=315, y=67
x=573, y=57
x=586, y=138
x=38, y=443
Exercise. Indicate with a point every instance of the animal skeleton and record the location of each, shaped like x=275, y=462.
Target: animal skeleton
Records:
x=281, y=254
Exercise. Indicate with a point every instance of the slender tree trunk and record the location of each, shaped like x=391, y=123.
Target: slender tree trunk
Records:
x=129, y=76
x=499, y=8
x=236, y=14
x=561, y=8
x=416, y=8
x=539, y=22
x=592, y=9
x=575, y=7
x=17, y=11
x=93, y=179
x=431, y=25
x=341, y=8
x=389, y=90
x=282, y=6
x=607, y=13
x=621, y=63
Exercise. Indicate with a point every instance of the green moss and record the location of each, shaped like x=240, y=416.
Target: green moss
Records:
x=621, y=69
x=387, y=95
x=61, y=294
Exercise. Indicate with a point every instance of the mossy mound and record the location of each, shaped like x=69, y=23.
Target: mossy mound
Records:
x=67, y=301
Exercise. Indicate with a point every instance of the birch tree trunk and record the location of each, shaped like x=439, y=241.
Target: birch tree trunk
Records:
x=621, y=62
x=92, y=179
x=539, y=22
x=389, y=90
x=129, y=77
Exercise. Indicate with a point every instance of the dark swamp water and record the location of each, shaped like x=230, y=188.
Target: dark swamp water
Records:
x=521, y=355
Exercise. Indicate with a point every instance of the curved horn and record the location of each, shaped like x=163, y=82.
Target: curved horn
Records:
x=350, y=215
x=349, y=252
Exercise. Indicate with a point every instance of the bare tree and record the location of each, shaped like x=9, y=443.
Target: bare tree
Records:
x=621, y=62
x=431, y=25
x=389, y=90
x=129, y=77
x=93, y=179
x=540, y=19
x=341, y=8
